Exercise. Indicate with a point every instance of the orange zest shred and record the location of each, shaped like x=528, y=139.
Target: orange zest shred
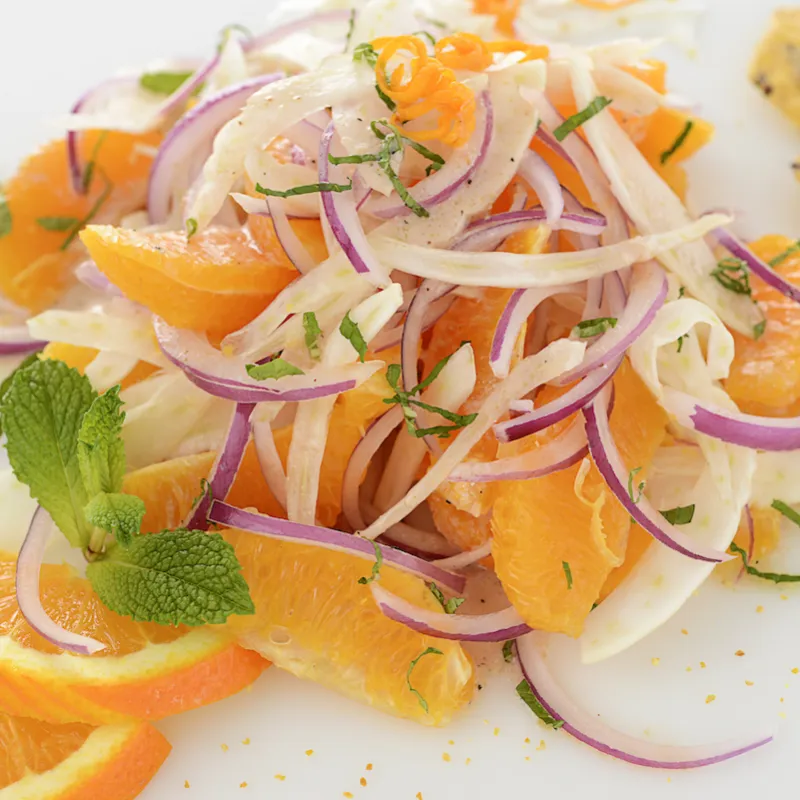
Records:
x=464, y=51
x=504, y=12
x=421, y=84
x=531, y=51
x=601, y=5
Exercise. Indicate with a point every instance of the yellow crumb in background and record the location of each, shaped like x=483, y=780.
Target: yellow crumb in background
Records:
x=445, y=756
x=711, y=698
x=225, y=748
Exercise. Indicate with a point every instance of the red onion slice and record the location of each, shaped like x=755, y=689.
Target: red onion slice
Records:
x=193, y=132
x=377, y=433
x=559, y=409
x=226, y=465
x=16, y=340
x=180, y=97
x=553, y=144
x=590, y=728
x=276, y=35
x=649, y=289
x=521, y=304
x=616, y=475
x=444, y=183
x=568, y=448
x=734, y=427
x=488, y=233
x=330, y=539
x=342, y=215
x=495, y=627
x=539, y=175
x=393, y=336
x=756, y=265
x=257, y=207
x=29, y=565
x=223, y=377
x=89, y=275
x=290, y=242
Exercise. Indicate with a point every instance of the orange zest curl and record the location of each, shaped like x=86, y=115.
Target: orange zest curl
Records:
x=532, y=51
x=600, y=5
x=464, y=51
x=504, y=12
x=421, y=84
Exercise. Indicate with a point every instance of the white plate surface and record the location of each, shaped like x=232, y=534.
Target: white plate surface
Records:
x=51, y=52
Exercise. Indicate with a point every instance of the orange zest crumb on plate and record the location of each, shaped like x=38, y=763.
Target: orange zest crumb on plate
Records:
x=363, y=781
x=445, y=756
x=711, y=698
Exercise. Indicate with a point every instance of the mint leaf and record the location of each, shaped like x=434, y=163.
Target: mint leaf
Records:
x=680, y=515
x=277, y=368
x=594, y=327
x=118, y=514
x=567, y=573
x=430, y=651
x=449, y=606
x=576, y=120
x=529, y=698
x=58, y=224
x=313, y=332
x=6, y=384
x=508, y=651
x=678, y=143
x=42, y=414
x=173, y=578
x=376, y=567
x=775, y=577
x=784, y=509
x=191, y=227
x=6, y=223
x=101, y=451
x=352, y=333
x=164, y=82
x=365, y=52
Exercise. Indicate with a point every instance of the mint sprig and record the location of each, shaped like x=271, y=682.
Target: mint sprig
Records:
x=173, y=578
x=116, y=513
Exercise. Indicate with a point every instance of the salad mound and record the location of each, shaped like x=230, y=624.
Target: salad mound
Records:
x=320, y=329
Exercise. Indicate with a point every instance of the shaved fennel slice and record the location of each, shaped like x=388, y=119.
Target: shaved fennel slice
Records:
x=128, y=333
x=108, y=369
x=313, y=417
x=662, y=581
x=522, y=271
x=268, y=113
x=653, y=206
x=546, y=365
x=449, y=391
x=515, y=122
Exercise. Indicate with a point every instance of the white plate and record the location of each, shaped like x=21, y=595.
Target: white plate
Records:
x=51, y=52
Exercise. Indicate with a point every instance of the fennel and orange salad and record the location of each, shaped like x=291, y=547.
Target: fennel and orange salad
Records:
x=309, y=343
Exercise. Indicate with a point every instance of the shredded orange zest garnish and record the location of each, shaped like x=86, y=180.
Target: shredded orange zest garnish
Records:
x=464, y=51
x=602, y=6
x=420, y=85
x=532, y=51
x=504, y=12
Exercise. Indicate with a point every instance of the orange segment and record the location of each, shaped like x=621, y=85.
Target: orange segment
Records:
x=33, y=269
x=216, y=282
x=765, y=374
x=80, y=357
x=315, y=620
x=539, y=525
x=75, y=762
x=664, y=127
x=309, y=231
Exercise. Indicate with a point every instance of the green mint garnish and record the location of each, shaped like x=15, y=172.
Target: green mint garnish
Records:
x=100, y=450
x=351, y=24
x=6, y=223
x=191, y=227
x=759, y=329
x=508, y=651
x=118, y=514
x=88, y=172
x=787, y=511
x=173, y=578
x=93, y=211
x=567, y=573
x=576, y=120
x=779, y=259
x=6, y=384
x=277, y=368
x=311, y=188
x=352, y=333
x=376, y=567
x=312, y=332
x=426, y=35
x=775, y=577
x=678, y=143
x=680, y=341
x=594, y=327
x=631, y=475
x=526, y=694
x=365, y=52
x=450, y=606
x=164, y=82
x=387, y=101
x=733, y=275
x=430, y=651
x=57, y=224
x=680, y=515
x=682, y=291
x=42, y=413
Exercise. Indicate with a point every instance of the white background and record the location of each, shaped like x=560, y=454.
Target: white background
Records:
x=51, y=52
